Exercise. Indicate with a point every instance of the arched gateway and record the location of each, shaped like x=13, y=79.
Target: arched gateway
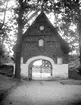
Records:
x=42, y=42
x=31, y=71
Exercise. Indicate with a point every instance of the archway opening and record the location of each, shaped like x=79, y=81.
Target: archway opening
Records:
x=41, y=68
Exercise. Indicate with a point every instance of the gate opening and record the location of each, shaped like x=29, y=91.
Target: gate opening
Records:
x=41, y=69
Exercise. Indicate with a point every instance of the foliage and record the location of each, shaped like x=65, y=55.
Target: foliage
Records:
x=74, y=62
x=2, y=52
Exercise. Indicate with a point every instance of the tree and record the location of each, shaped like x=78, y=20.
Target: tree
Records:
x=21, y=20
x=3, y=9
x=19, y=39
x=72, y=9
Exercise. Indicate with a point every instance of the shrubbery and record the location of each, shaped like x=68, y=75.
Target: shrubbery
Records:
x=74, y=62
x=2, y=52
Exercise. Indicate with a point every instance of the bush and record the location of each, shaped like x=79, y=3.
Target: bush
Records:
x=6, y=70
x=74, y=62
x=2, y=52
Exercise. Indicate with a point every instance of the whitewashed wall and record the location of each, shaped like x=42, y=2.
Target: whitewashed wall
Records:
x=59, y=70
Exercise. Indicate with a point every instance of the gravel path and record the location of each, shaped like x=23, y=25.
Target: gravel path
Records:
x=44, y=93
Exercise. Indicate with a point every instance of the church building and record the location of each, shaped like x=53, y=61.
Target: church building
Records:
x=44, y=52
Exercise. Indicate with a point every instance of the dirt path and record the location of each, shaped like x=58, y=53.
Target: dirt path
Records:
x=44, y=93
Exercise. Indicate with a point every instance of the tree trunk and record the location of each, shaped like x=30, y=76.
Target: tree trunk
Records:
x=17, y=65
x=79, y=30
x=19, y=41
x=18, y=60
x=80, y=46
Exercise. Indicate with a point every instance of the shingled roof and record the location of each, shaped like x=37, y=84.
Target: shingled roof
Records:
x=43, y=19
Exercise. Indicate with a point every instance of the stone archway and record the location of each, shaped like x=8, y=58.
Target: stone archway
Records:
x=28, y=64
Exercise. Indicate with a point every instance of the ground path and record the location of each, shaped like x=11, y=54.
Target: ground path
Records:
x=43, y=93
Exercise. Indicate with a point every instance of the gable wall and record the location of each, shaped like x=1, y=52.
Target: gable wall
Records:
x=51, y=48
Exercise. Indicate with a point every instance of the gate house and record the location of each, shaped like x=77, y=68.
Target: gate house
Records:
x=44, y=52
